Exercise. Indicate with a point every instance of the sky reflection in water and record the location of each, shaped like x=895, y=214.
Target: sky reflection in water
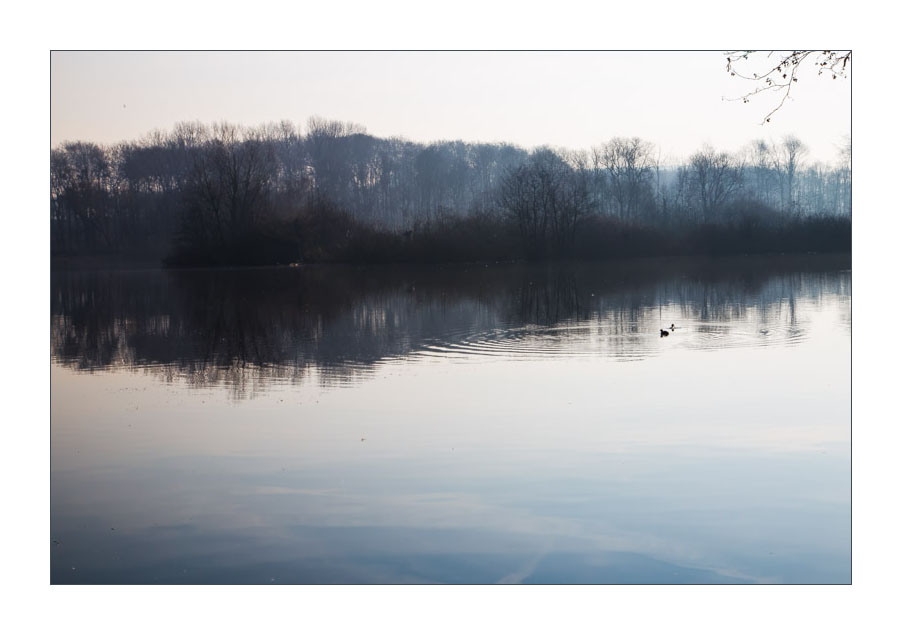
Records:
x=467, y=424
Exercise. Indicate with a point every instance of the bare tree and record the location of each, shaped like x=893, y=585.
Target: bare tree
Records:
x=761, y=157
x=90, y=190
x=522, y=197
x=227, y=184
x=629, y=166
x=547, y=196
x=330, y=156
x=713, y=178
x=61, y=209
x=844, y=179
x=789, y=156
x=572, y=196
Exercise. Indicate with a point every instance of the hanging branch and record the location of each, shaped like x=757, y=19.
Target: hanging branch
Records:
x=782, y=77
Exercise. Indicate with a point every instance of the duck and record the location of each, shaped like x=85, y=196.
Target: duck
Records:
x=664, y=333
x=672, y=326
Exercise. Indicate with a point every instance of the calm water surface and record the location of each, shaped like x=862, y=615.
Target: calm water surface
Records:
x=472, y=424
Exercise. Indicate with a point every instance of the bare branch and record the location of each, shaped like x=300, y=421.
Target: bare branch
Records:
x=784, y=75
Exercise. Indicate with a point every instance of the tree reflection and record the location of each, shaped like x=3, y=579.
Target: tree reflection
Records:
x=246, y=327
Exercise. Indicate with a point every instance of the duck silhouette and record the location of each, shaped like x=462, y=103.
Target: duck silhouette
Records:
x=664, y=333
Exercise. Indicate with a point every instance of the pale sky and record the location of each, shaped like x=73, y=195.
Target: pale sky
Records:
x=571, y=99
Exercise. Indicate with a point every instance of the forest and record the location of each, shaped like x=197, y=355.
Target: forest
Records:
x=223, y=194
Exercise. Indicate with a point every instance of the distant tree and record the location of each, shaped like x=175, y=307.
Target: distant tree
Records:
x=522, y=197
x=789, y=157
x=62, y=210
x=843, y=176
x=761, y=163
x=86, y=179
x=713, y=178
x=226, y=188
x=546, y=197
x=330, y=156
x=629, y=167
x=571, y=198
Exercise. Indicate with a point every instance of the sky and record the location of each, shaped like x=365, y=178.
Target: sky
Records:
x=677, y=100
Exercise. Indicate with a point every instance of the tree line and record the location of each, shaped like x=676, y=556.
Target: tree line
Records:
x=228, y=194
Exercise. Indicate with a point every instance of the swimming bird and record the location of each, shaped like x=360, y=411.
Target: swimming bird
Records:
x=664, y=333
x=672, y=326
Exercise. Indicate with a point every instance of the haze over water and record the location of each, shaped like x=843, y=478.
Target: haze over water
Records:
x=467, y=424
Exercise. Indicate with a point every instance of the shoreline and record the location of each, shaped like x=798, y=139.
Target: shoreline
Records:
x=63, y=264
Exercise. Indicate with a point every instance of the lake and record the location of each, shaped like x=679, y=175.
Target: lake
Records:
x=461, y=424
